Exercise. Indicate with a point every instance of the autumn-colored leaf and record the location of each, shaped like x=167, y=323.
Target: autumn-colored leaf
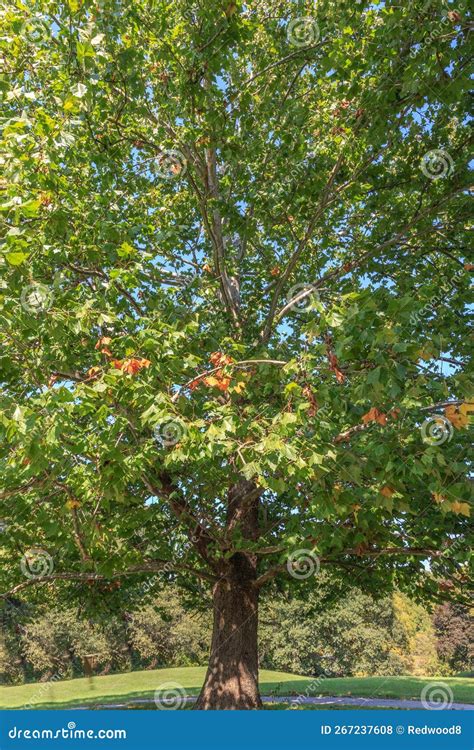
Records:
x=211, y=381
x=309, y=395
x=239, y=387
x=454, y=16
x=224, y=384
x=72, y=504
x=458, y=418
x=276, y=271
x=131, y=366
x=387, y=491
x=103, y=341
x=461, y=508
x=469, y=266
x=93, y=372
x=374, y=415
x=207, y=268
x=218, y=359
x=438, y=497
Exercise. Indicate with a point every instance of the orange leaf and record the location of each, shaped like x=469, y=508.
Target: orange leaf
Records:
x=387, y=491
x=103, y=341
x=134, y=365
x=438, y=497
x=457, y=417
x=218, y=359
x=93, y=372
x=211, y=381
x=374, y=415
x=469, y=266
x=461, y=508
x=276, y=271
x=223, y=384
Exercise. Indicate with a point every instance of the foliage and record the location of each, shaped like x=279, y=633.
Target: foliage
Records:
x=454, y=636
x=229, y=255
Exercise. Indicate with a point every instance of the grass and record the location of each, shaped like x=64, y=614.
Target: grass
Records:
x=122, y=688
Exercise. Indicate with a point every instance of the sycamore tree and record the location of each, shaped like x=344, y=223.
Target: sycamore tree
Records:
x=234, y=281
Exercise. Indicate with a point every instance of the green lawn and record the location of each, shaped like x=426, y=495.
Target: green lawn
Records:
x=123, y=687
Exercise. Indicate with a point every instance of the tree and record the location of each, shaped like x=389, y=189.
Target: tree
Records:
x=233, y=290
x=453, y=628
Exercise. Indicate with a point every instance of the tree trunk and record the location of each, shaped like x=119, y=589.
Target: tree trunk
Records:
x=232, y=675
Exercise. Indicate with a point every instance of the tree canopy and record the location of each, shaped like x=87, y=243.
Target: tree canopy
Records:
x=234, y=286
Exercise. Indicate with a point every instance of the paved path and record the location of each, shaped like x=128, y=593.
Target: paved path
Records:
x=365, y=702
x=306, y=700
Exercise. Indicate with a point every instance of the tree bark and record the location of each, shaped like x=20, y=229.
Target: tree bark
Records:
x=232, y=676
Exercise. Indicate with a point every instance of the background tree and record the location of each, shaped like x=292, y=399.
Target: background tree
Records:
x=234, y=287
x=455, y=643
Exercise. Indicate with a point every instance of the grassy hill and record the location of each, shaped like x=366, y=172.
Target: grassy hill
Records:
x=132, y=685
